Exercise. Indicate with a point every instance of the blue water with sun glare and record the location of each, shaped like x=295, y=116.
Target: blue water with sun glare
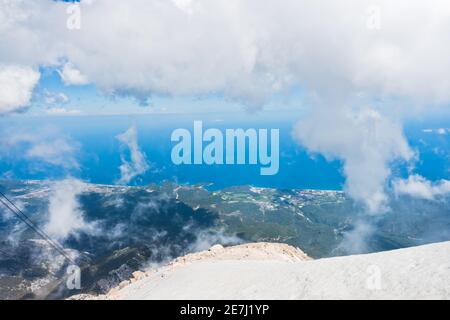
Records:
x=98, y=152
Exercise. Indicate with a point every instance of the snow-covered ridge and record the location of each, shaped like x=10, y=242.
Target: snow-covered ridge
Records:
x=279, y=271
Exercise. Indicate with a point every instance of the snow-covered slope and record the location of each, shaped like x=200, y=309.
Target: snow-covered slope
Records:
x=275, y=271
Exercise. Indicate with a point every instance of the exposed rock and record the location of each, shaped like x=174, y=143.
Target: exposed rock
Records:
x=137, y=275
x=216, y=247
x=123, y=284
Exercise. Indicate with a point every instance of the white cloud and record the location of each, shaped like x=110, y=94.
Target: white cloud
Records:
x=16, y=87
x=241, y=48
x=62, y=111
x=439, y=131
x=72, y=76
x=46, y=146
x=137, y=163
x=418, y=187
x=55, y=97
x=206, y=239
x=355, y=240
x=367, y=143
x=65, y=216
x=185, y=5
x=248, y=50
x=54, y=152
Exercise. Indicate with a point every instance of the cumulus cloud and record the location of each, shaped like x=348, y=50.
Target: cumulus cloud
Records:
x=72, y=76
x=16, y=87
x=418, y=187
x=364, y=140
x=137, y=163
x=249, y=51
x=55, y=97
x=240, y=48
x=65, y=217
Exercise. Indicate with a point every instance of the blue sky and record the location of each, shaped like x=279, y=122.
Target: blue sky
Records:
x=89, y=100
x=349, y=79
x=85, y=99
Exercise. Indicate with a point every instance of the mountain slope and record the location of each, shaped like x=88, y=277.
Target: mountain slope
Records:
x=274, y=271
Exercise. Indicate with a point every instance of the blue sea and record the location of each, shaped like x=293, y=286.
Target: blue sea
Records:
x=98, y=151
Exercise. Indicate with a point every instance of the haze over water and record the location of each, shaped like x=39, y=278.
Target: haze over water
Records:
x=99, y=152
